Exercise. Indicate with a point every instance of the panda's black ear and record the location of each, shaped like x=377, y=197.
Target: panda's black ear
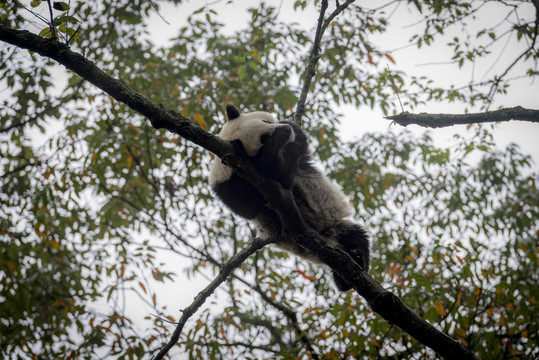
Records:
x=232, y=112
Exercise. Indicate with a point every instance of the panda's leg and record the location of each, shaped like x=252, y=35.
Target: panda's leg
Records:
x=353, y=239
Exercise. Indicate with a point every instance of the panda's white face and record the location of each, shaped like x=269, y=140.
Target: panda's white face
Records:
x=249, y=128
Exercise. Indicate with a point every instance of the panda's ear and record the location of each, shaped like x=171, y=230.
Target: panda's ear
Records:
x=232, y=112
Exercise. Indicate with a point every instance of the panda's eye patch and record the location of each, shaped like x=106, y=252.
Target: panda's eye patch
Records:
x=266, y=121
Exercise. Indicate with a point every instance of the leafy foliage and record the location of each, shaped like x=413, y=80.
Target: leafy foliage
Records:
x=99, y=209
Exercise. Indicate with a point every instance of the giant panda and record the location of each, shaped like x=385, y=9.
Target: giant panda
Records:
x=279, y=150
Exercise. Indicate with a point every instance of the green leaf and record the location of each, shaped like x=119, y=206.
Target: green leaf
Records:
x=45, y=32
x=60, y=5
x=241, y=72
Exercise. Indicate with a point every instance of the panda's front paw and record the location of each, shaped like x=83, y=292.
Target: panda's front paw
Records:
x=281, y=136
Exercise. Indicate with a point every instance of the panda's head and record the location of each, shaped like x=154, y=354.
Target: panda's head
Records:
x=248, y=128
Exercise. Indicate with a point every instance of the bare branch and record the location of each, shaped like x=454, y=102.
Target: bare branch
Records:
x=235, y=261
x=444, y=120
x=315, y=55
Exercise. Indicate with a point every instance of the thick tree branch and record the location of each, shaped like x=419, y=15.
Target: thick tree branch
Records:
x=443, y=120
x=384, y=302
x=159, y=116
x=381, y=301
x=235, y=261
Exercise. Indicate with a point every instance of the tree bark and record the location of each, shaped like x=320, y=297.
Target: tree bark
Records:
x=444, y=120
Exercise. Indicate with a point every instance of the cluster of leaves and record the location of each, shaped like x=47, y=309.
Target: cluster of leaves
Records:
x=87, y=219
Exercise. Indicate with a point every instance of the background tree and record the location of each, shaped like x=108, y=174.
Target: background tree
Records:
x=106, y=208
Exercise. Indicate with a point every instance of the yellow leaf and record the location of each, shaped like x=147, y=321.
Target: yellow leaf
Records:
x=200, y=120
x=142, y=286
x=459, y=299
x=439, y=308
x=460, y=332
x=390, y=58
x=304, y=275
x=55, y=244
x=373, y=340
x=323, y=134
x=414, y=250
x=325, y=334
x=501, y=320
x=409, y=258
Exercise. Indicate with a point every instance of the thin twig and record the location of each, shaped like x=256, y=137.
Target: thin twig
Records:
x=53, y=29
x=394, y=87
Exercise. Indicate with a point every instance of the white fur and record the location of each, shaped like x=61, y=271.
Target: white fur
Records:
x=327, y=205
x=249, y=128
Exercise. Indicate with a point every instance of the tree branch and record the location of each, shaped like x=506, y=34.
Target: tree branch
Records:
x=314, y=56
x=235, y=261
x=159, y=116
x=444, y=120
x=281, y=200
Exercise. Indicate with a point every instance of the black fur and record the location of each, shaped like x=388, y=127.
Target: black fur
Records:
x=277, y=159
x=232, y=112
x=353, y=239
x=240, y=196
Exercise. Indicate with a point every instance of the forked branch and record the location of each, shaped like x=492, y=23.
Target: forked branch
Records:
x=235, y=261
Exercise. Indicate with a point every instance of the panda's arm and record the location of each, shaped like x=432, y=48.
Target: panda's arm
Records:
x=240, y=196
x=280, y=154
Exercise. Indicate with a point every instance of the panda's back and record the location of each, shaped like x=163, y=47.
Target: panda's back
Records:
x=320, y=201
